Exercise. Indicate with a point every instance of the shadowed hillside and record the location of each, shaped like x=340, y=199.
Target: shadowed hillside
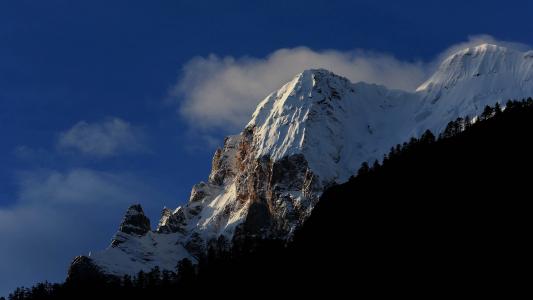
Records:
x=437, y=216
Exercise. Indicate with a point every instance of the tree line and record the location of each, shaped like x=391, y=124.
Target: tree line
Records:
x=452, y=129
x=429, y=193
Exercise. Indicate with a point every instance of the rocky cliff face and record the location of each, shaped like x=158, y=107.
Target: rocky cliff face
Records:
x=313, y=132
x=134, y=223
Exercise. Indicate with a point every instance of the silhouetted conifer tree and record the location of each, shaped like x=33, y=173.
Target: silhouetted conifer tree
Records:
x=126, y=282
x=497, y=109
x=376, y=165
x=140, y=280
x=364, y=169
x=453, y=128
x=427, y=137
x=509, y=105
x=166, y=278
x=153, y=277
x=18, y=294
x=392, y=152
x=487, y=113
x=185, y=271
x=468, y=122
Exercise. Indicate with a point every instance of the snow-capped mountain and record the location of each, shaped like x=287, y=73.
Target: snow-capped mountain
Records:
x=313, y=132
x=472, y=78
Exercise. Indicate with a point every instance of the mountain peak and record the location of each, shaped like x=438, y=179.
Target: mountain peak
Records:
x=135, y=222
x=316, y=71
x=486, y=47
x=314, y=131
x=472, y=78
x=315, y=114
x=477, y=62
x=305, y=89
x=280, y=116
x=477, y=50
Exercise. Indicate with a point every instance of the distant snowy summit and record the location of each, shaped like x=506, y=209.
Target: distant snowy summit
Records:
x=313, y=132
x=470, y=79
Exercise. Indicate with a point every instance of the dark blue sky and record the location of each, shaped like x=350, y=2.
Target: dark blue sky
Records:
x=62, y=62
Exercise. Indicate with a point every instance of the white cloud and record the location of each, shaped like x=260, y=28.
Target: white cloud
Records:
x=222, y=92
x=77, y=186
x=103, y=139
x=58, y=215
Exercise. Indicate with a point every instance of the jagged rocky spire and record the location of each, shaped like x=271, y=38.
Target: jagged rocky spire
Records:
x=135, y=222
x=172, y=221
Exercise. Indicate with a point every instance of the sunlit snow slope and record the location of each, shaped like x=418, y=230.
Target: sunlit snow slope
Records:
x=314, y=131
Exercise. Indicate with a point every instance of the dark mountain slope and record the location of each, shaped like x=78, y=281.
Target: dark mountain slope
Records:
x=437, y=217
x=445, y=217
x=446, y=214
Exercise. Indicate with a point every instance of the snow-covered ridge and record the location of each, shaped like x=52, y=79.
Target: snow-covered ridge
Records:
x=314, y=131
x=482, y=60
x=470, y=79
x=334, y=123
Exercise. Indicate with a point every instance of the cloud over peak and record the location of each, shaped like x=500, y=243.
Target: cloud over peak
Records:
x=223, y=91
x=59, y=214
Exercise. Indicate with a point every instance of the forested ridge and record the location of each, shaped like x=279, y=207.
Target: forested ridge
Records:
x=439, y=215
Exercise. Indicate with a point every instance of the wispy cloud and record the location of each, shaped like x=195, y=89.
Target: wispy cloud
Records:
x=222, y=92
x=60, y=214
x=77, y=186
x=107, y=138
